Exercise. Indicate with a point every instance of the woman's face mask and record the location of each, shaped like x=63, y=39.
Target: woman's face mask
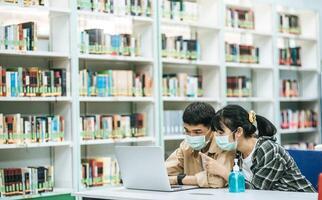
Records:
x=224, y=143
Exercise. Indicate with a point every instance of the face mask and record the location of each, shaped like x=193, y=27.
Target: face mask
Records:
x=224, y=144
x=196, y=142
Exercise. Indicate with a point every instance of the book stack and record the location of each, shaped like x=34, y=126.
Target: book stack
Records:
x=32, y=82
x=96, y=41
x=289, y=24
x=26, y=181
x=186, y=11
x=173, y=124
x=118, y=7
x=27, y=2
x=110, y=83
x=298, y=119
x=19, y=37
x=182, y=85
x=241, y=53
x=290, y=56
x=18, y=129
x=179, y=47
x=240, y=18
x=239, y=86
x=95, y=127
x=289, y=88
x=100, y=171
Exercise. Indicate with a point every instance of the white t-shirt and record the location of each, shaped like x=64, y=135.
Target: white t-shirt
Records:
x=247, y=163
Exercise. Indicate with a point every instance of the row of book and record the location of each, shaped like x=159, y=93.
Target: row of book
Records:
x=173, y=124
x=240, y=18
x=31, y=82
x=289, y=24
x=100, y=171
x=186, y=11
x=289, y=88
x=239, y=86
x=109, y=83
x=95, y=41
x=21, y=36
x=19, y=129
x=27, y=2
x=241, y=53
x=26, y=181
x=298, y=119
x=180, y=48
x=95, y=127
x=290, y=56
x=182, y=85
x=118, y=7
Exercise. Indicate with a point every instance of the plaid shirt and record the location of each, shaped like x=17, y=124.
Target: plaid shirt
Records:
x=274, y=169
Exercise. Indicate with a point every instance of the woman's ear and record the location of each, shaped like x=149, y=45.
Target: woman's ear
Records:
x=239, y=132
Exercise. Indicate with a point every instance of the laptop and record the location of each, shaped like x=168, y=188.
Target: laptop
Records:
x=143, y=168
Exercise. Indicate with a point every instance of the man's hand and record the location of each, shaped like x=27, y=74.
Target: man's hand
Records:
x=173, y=180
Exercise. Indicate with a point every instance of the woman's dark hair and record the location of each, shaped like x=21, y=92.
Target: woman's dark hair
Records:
x=234, y=116
x=199, y=113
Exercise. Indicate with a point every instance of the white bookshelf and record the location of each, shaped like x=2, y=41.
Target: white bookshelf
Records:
x=307, y=75
x=61, y=48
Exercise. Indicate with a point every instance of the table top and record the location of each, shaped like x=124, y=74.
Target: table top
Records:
x=205, y=194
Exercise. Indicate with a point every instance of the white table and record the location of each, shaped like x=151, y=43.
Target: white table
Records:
x=197, y=194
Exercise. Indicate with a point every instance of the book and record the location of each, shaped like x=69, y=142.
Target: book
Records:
x=298, y=119
x=117, y=7
x=98, y=172
x=25, y=129
x=289, y=23
x=31, y=82
x=290, y=56
x=180, y=10
x=18, y=37
x=96, y=41
x=110, y=83
x=242, y=53
x=289, y=88
x=240, y=18
x=26, y=181
x=182, y=85
x=239, y=86
x=180, y=48
x=112, y=126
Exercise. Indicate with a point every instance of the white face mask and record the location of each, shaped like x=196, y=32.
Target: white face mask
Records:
x=224, y=144
x=196, y=142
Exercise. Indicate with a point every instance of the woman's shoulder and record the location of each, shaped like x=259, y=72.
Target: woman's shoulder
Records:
x=267, y=146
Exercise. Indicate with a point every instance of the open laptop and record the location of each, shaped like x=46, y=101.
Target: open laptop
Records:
x=143, y=167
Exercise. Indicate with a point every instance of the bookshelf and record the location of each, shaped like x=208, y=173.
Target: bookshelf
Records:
x=50, y=54
x=296, y=32
x=225, y=60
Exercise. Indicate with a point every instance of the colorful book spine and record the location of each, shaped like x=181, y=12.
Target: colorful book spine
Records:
x=240, y=18
x=110, y=83
x=98, y=172
x=19, y=37
x=19, y=129
x=298, y=119
x=242, y=53
x=31, y=82
x=182, y=85
x=289, y=23
x=289, y=88
x=95, y=127
x=26, y=181
x=180, y=10
x=239, y=86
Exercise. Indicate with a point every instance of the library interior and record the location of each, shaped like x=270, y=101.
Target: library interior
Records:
x=160, y=99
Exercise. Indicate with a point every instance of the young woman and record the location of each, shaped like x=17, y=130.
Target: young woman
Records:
x=266, y=164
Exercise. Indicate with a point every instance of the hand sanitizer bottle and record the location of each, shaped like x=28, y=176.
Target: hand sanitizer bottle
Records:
x=236, y=180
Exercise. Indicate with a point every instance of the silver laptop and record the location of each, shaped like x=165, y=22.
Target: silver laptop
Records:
x=143, y=167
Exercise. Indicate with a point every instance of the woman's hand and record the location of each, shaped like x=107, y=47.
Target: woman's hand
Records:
x=214, y=167
x=173, y=180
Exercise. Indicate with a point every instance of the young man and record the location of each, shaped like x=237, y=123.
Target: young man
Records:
x=185, y=165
